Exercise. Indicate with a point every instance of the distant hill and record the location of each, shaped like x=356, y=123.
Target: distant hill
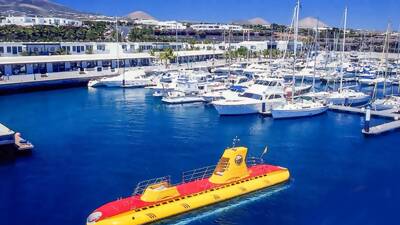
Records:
x=311, y=23
x=253, y=21
x=140, y=15
x=38, y=8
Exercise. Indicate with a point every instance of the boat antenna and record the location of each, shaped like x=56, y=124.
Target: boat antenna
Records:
x=236, y=140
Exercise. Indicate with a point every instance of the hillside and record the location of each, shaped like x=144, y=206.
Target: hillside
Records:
x=140, y=15
x=38, y=8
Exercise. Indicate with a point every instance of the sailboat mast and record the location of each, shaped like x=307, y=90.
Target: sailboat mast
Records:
x=398, y=57
x=118, y=46
x=315, y=56
x=386, y=52
x=343, y=48
x=296, y=32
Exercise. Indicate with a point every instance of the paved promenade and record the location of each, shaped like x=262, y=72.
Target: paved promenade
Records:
x=92, y=74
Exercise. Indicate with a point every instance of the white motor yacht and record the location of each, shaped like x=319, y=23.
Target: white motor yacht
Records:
x=128, y=79
x=230, y=69
x=186, y=91
x=260, y=97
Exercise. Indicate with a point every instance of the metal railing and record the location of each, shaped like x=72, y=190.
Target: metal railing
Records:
x=143, y=185
x=197, y=174
x=192, y=175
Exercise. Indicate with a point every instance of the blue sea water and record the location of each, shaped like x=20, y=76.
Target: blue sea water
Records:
x=93, y=146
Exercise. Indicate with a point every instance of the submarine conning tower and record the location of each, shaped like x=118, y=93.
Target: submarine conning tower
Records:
x=231, y=166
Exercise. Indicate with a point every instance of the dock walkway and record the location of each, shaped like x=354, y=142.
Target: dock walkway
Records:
x=382, y=128
x=379, y=129
x=390, y=113
x=11, y=138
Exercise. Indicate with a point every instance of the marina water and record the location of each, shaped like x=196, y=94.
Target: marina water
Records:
x=93, y=146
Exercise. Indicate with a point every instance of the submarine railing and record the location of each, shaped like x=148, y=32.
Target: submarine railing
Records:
x=191, y=175
x=142, y=186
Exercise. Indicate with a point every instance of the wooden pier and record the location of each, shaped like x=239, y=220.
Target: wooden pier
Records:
x=375, y=130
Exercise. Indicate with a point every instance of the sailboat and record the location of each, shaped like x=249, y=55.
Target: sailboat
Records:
x=346, y=96
x=391, y=101
x=300, y=107
x=135, y=78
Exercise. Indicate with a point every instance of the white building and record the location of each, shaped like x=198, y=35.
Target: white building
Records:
x=31, y=21
x=148, y=22
x=216, y=27
x=11, y=48
x=254, y=45
x=162, y=25
x=116, y=57
x=288, y=45
x=170, y=25
x=8, y=49
x=157, y=46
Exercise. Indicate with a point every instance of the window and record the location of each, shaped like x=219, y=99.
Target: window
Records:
x=39, y=68
x=106, y=63
x=253, y=96
x=58, y=67
x=14, y=50
x=74, y=48
x=2, y=72
x=91, y=64
x=74, y=66
x=274, y=96
x=18, y=69
x=1, y=49
x=101, y=47
x=19, y=49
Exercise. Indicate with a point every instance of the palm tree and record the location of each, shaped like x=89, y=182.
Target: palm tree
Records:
x=167, y=55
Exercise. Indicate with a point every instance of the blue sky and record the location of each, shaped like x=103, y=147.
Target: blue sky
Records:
x=371, y=14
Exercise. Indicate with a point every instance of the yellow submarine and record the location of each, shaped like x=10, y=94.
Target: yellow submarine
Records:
x=157, y=199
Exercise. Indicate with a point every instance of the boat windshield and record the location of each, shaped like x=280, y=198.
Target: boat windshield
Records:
x=267, y=83
x=275, y=96
x=242, y=80
x=251, y=95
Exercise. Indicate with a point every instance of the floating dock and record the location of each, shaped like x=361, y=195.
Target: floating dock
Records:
x=390, y=113
x=10, y=139
x=382, y=128
x=375, y=130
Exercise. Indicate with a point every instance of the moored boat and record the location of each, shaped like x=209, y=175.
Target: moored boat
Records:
x=260, y=97
x=347, y=97
x=128, y=79
x=299, y=109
